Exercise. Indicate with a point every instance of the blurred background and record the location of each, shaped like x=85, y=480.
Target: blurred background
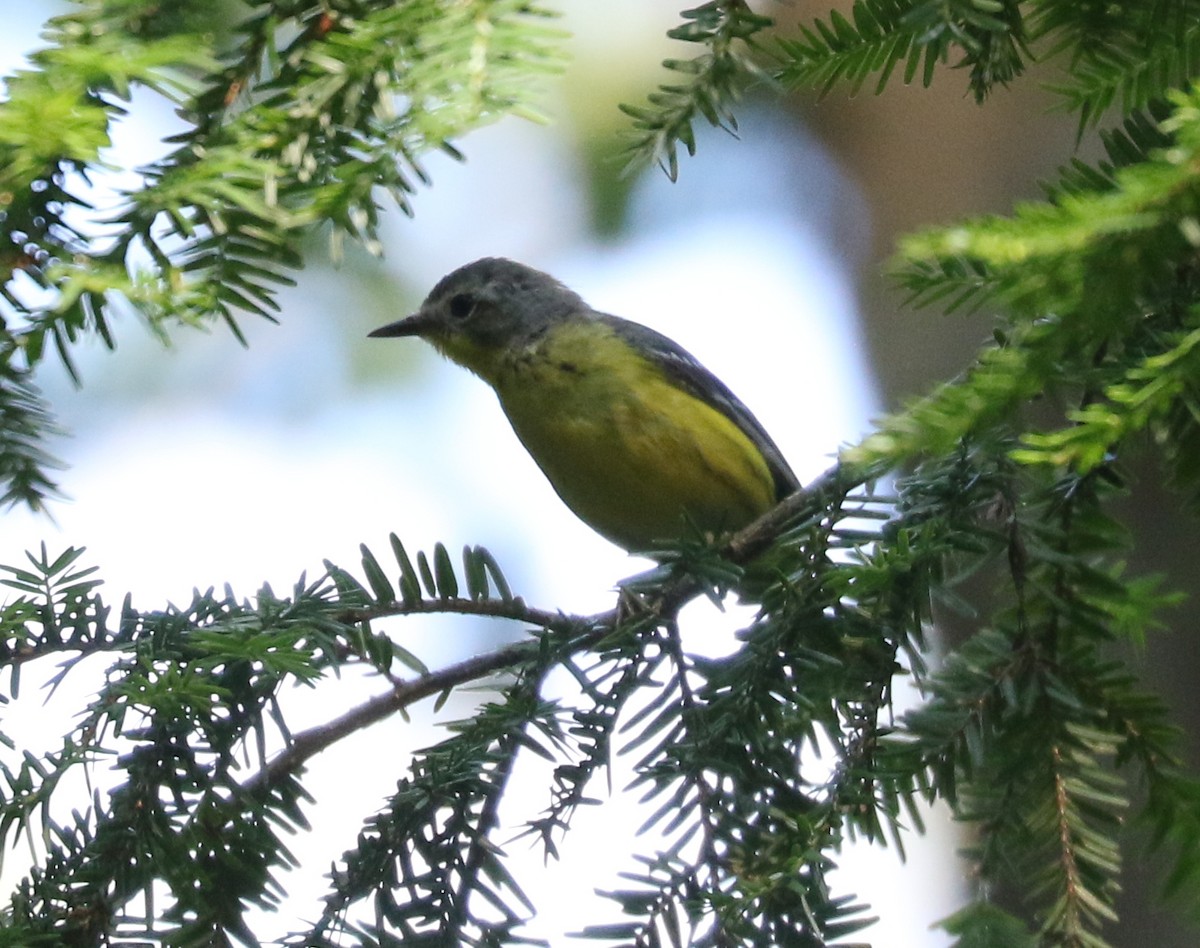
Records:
x=767, y=261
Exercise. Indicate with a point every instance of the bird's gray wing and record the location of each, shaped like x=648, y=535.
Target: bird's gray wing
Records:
x=685, y=370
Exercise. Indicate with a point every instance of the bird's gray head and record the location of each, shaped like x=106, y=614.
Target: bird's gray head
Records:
x=486, y=309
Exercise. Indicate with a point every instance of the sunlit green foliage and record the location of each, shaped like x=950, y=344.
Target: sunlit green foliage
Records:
x=299, y=119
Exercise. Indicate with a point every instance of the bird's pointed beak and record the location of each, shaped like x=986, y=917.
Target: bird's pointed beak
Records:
x=418, y=324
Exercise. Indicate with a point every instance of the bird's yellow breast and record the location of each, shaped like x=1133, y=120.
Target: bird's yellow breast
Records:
x=630, y=452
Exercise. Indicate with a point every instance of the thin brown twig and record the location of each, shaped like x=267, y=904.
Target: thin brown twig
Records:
x=309, y=743
x=742, y=547
x=514, y=609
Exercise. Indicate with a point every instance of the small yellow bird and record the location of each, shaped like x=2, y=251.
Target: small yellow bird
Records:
x=641, y=441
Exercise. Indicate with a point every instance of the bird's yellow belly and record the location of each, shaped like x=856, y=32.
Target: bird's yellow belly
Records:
x=634, y=456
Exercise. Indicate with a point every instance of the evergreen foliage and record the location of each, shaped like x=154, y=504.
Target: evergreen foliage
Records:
x=1032, y=729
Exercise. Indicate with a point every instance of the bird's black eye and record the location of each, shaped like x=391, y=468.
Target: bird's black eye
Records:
x=461, y=306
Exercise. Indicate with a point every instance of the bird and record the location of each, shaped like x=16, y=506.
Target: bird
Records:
x=635, y=435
